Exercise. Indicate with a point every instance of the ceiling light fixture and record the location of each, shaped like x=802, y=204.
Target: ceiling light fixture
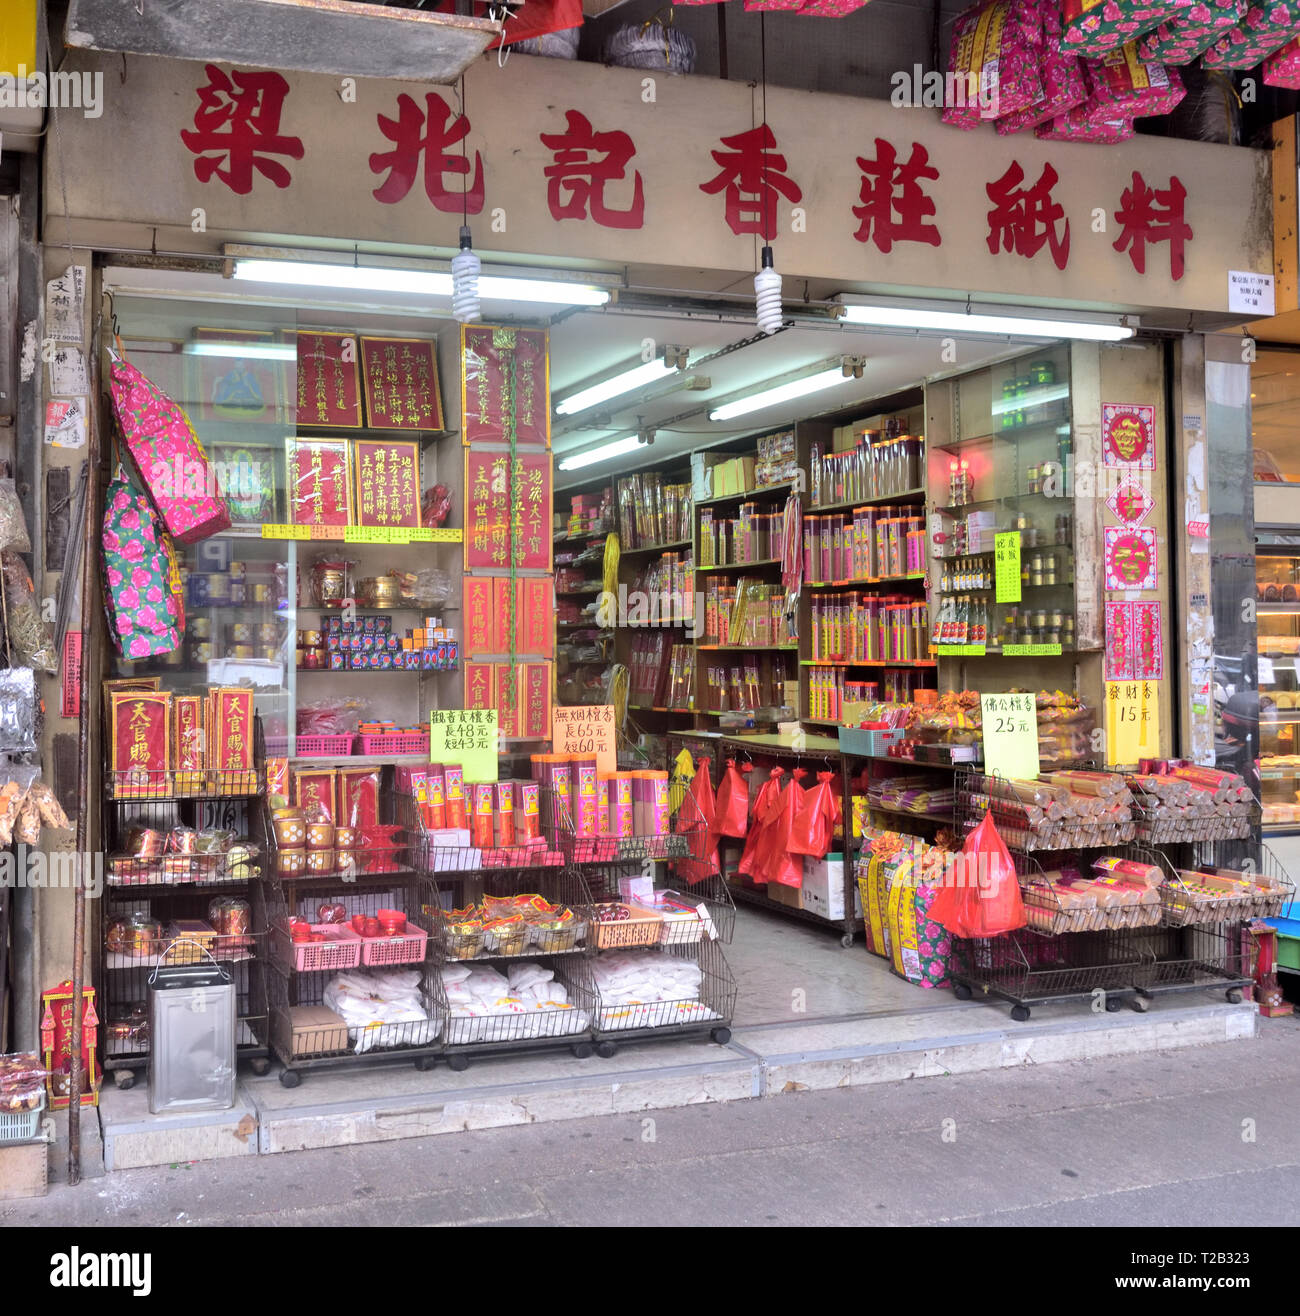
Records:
x=244, y=351
x=637, y=376
x=887, y=315
x=823, y=376
x=617, y=448
x=414, y=279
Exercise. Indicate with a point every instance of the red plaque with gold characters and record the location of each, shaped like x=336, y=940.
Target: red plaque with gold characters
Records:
x=480, y=617
x=56, y=1045
x=509, y=721
x=230, y=736
x=401, y=377
x=329, y=380
x=1130, y=557
x=188, y=748
x=489, y=478
x=505, y=378
x=537, y=701
x=387, y=482
x=139, y=748
x=314, y=793
x=319, y=481
x=480, y=685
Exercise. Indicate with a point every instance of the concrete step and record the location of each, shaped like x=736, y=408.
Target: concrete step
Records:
x=380, y=1103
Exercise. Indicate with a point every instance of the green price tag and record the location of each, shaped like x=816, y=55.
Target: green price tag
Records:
x=436, y=535
x=399, y=534
x=1010, y=727
x=467, y=736
x=1031, y=650
x=1006, y=566
x=960, y=650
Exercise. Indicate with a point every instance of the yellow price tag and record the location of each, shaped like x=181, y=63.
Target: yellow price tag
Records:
x=436, y=535
x=1006, y=566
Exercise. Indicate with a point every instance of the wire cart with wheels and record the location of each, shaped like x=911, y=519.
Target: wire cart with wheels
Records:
x=519, y=912
x=168, y=867
x=680, y=934
x=406, y=1018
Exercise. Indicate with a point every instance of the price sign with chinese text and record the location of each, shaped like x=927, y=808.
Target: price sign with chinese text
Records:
x=1010, y=735
x=467, y=736
x=1006, y=566
x=586, y=730
x=1132, y=722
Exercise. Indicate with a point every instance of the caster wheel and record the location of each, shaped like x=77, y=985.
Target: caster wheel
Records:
x=260, y=1066
x=1112, y=1004
x=1020, y=1013
x=425, y=1063
x=124, y=1079
x=1234, y=996
x=721, y=1036
x=583, y=1050
x=846, y=940
x=459, y=1064
x=1140, y=1004
x=605, y=1049
x=961, y=991
x=290, y=1078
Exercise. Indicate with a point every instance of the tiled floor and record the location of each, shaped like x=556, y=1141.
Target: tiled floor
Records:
x=786, y=970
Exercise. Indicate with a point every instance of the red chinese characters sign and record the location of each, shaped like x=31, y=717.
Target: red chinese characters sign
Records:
x=505, y=377
x=401, y=376
x=329, y=381
x=421, y=150
x=319, y=482
x=388, y=483
x=490, y=488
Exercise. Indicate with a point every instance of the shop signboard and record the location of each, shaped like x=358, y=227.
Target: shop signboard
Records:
x=583, y=172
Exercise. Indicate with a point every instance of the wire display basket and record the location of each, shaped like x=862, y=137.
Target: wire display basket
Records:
x=705, y=910
x=1027, y=968
x=1193, y=959
x=503, y=915
x=1274, y=889
x=583, y=835
x=558, y=1007
x=706, y=1004
x=1029, y=826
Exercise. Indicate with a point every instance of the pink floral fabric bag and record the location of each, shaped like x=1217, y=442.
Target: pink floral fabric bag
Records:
x=143, y=605
x=167, y=455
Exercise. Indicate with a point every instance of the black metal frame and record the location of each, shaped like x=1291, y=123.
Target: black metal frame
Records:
x=124, y=995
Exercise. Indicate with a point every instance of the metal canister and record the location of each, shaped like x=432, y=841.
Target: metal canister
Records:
x=310, y=639
x=202, y=652
x=238, y=571
x=261, y=594
x=267, y=632
x=240, y=632
x=268, y=652
x=241, y=651
x=237, y=593
x=199, y=628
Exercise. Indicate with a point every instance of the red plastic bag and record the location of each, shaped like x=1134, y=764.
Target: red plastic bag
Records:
x=731, y=807
x=779, y=862
x=980, y=896
x=695, y=819
x=768, y=795
x=814, y=824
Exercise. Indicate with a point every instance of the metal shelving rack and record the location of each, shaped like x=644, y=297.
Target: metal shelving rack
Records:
x=235, y=801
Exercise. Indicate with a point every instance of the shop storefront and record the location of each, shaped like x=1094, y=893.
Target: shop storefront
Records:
x=941, y=528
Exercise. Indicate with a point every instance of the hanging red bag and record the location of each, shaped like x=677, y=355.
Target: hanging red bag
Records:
x=768, y=794
x=814, y=824
x=779, y=862
x=695, y=821
x=981, y=892
x=731, y=807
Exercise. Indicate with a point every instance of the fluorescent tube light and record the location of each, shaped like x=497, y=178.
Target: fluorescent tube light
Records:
x=247, y=352
x=607, y=450
x=908, y=317
x=429, y=283
x=648, y=372
x=796, y=388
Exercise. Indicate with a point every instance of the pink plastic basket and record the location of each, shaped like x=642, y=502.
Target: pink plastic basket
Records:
x=311, y=746
x=396, y=742
x=344, y=952
x=407, y=949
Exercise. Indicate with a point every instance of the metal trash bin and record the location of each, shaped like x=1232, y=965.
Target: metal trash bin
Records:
x=192, y=1030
